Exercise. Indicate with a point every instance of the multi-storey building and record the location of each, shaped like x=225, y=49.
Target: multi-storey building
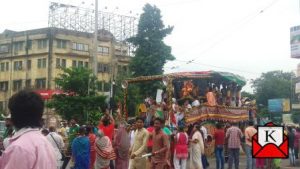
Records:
x=34, y=58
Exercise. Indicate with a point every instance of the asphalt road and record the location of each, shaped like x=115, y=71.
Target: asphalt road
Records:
x=285, y=163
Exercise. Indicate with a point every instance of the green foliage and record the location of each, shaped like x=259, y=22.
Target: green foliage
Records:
x=84, y=103
x=248, y=95
x=1, y=113
x=151, y=53
x=271, y=85
x=133, y=98
x=78, y=80
x=93, y=117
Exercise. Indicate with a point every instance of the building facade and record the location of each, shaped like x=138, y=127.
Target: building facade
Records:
x=34, y=58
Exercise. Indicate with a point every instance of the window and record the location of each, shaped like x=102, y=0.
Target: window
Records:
x=74, y=46
x=106, y=87
x=17, y=65
x=86, y=64
x=80, y=63
x=102, y=68
x=28, y=64
x=105, y=68
x=57, y=62
x=99, y=86
x=40, y=83
x=63, y=63
x=99, y=67
x=18, y=46
x=7, y=66
x=125, y=69
x=17, y=85
x=2, y=67
x=4, y=86
x=2, y=108
x=28, y=83
x=41, y=63
x=42, y=43
x=61, y=43
x=80, y=47
x=74, y=63
x=4, y=48
x=29, y=44
x=103, y=50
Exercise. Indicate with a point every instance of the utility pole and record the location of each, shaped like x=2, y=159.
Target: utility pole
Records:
x=94, y=60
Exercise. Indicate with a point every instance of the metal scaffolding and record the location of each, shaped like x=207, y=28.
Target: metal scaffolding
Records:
x=83, y=19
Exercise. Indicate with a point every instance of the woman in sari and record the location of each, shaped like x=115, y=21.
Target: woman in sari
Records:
x=122, y=145
x=92, y=139
x=81, y=150
x=196, y=148
x=104, y=151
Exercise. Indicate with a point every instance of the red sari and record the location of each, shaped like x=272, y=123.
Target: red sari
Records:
x=92, y=139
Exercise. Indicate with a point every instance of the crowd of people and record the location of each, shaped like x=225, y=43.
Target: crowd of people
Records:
x=123, y=144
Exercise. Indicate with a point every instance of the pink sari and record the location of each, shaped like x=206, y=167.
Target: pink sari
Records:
x=122, y=145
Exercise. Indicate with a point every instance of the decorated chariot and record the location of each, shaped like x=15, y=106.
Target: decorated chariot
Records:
x=211, y=95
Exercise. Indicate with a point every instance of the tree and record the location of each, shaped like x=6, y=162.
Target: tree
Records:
x=250, y=96
x=272, y=85
x=81, y=100
x=151, y=53
x=133, y=96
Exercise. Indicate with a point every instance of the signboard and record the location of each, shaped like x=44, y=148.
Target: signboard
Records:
x=297, y=88
x=295, y=41
x=47, y=94
x=287, y=119
x=159, y=96
x=278, y=105
x=295, y=106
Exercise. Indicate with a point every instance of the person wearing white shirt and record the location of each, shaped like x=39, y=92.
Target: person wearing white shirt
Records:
x=204, y=131
x=58, y=144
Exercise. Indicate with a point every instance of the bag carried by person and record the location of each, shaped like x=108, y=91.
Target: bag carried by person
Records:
x=63, y=156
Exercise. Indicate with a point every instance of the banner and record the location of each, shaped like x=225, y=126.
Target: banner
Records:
x=287, y=119
x=218, y=113
x=278, y=105
x=159, y=96
x=297, y=88
x=295, y=41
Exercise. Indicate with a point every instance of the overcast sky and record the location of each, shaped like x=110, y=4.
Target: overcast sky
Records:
x=246, y=37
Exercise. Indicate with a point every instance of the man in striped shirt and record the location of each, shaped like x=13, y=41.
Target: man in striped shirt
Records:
x=234, y=135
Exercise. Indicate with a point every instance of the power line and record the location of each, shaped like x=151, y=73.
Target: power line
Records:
x=242, y=22
x=241, y=25
x=220, y=67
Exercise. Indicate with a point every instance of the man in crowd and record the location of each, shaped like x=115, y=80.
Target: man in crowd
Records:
x=8, y=133
x=234, y=135
x=28, y=148
x=160, y=146
x=8, y=125
x=58, y=144
x=219, y=136
x=139, y=146
x=73, y=131
x=249, y=133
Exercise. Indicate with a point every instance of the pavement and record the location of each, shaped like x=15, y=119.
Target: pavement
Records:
x=285, y=163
